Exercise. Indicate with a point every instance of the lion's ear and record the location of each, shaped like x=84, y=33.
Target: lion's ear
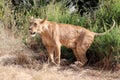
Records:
x=31, y=18
x=43, y=20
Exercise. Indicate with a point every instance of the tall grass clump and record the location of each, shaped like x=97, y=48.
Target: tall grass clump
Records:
x=108, y=9
x=9, y=17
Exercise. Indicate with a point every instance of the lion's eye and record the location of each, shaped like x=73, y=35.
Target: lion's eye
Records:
x=35, y=24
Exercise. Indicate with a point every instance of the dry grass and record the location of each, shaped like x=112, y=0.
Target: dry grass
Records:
x=54, y=73
x=17, y=62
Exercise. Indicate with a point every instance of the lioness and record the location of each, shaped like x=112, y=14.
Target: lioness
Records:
x=54, y=35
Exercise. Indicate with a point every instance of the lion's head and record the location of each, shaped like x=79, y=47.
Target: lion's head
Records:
x=36, y=26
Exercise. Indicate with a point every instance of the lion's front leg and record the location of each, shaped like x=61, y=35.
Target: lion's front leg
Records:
x=50, y=51
x=57, y=53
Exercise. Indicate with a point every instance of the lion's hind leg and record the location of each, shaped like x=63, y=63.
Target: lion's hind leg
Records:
x=83, y=43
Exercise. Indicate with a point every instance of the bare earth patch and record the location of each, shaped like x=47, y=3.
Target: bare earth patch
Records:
x=17, y=62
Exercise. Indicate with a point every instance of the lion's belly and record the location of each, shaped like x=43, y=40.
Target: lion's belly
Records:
x=69, y=40
x=68, y=43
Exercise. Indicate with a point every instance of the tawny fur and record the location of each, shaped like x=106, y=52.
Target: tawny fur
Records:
x=54, y=35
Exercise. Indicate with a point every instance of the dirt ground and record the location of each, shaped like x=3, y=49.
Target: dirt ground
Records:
x=17, y=62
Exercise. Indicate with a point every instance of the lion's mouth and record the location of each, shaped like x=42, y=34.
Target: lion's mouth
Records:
x=33, y=34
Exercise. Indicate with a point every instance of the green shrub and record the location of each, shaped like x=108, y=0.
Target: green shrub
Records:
x=1, y=9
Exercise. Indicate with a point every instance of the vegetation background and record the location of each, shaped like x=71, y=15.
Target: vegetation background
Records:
x=15, y=15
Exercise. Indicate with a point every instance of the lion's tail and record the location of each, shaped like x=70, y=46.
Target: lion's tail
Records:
x=100, y=34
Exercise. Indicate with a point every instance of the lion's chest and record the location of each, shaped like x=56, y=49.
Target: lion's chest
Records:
x=47, y=40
